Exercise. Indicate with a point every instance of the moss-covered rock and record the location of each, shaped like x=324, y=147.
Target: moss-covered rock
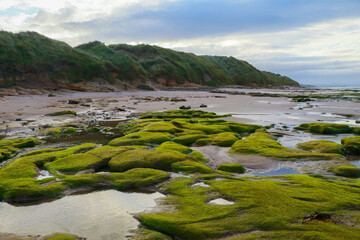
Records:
x=347, y=171
x=142, y=138
x=143, y=158
x=161, y=126
x=224, y=139
x=57, y=131
x=263, y=143
x=355, y=130
x=232, y=167
x=325, y=128
x=275, y=208
x=322, y=146
x=190, y=167
x=189, y=139
x=172, y=146
x=60, y=113
x=351, y=145
x=8, y=147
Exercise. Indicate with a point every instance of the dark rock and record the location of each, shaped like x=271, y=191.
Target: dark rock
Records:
x=73, y=102
x=203, y=106
x=18, y=119
x=357, y=121
x=185, y=107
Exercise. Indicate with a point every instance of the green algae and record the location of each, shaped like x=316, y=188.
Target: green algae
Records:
x=322, y=146
x=232, y=167
x=190, y=167
x=172, y=146
x=60, y=113
x=346, y=171
x=273, y=208
x=225, y=139
x=263, y=143
x=144, y=158
x=8, y=147
x=198, y=156
x=351, y=145
x=188, y=139
x=325, y=128
x=145, y=234
x=57, y=131
x=141, y=138
x=131, y=179
x=161, y=126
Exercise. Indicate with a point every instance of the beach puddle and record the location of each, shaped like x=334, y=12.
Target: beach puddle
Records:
x=277, y=172
x=44, y=174
x=220, y=201
x=96, y=215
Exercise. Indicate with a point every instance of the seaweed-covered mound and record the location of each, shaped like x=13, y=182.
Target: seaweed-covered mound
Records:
x=351, y=145
x=8, y=147
x=322, y=146
x=263, y=143
x=325, y=128
x=274, y=208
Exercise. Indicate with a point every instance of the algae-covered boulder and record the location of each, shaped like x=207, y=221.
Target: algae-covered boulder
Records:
x=8, y=147
x=351, y=145
x=190, y=167
x=161, y=126
x=142, y=138
x=225, y=139
x=347, y=171
x=189, y=139
x=289, y=199
x=322, y=146
x=57, y=131
x=144, y=158
x=232, y=167
x=263, y=143
x=325, y=128
x=172, y=146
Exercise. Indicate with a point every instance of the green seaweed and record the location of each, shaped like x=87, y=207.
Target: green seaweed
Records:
x=190, y=167
x=262, y=143
x=142, y=138
x=322, y=146
x=325, y=128
x=347, y=171
x=351, y=145
x=232, y=167
x=272, y=208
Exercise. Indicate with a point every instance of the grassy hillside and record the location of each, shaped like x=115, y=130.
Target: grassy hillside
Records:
x=29, y=58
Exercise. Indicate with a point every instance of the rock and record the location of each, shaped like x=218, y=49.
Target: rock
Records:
x=185, y=107
x=18, y=119
x=51, y=95
x=119, y=109
x=203, y=106
x=357, y=121
x=73, y=102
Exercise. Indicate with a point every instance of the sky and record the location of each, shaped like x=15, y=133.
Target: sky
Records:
x=315, y=42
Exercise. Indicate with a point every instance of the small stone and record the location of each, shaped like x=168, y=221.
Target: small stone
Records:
x=203, y=106
x=73, y=102
x=185, y=107
x=18, y=119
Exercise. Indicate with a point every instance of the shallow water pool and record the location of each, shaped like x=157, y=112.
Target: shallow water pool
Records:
x=97, y=215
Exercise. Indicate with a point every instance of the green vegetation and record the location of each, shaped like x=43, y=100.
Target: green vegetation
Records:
x=232, y=167
x=351, y=145
x=346, y=171
x=142, y=138
x=275, y=209
x=60, y=113
x=322, y=146
x=31, y=56
x=263, y=143
x=144, y=158
x=8, y=147
x=18, y=183
x=57, y=131
x=190, y=167
x=325, y=128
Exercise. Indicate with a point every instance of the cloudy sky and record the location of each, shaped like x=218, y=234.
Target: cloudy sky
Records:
x=312, y=41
